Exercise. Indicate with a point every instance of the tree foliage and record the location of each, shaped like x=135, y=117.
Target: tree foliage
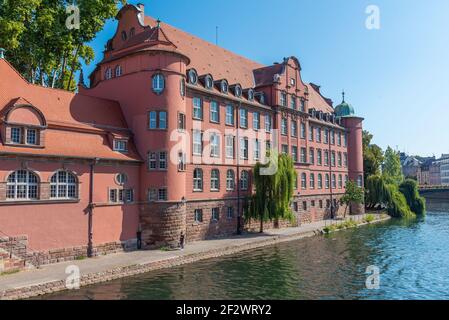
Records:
x=391, y=168
x=273, y=194
x=353, y=194
x=39, y=44
x=409, y=189
x=372, y=156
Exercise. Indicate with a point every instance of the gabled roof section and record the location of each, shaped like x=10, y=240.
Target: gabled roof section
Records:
x=265, y=75
x=209, y=58
x=317, y=101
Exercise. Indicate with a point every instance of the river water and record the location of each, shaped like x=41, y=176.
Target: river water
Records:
x=411, y=256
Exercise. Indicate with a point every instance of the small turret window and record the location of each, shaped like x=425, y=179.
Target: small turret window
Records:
x=224, y=86
x=209, y=82
x=158, y=83
x=108, y=74
x=118, y=71
x=193, y=77
x=238, y=91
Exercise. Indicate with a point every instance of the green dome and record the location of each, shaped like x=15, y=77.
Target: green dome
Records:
x=344, y=109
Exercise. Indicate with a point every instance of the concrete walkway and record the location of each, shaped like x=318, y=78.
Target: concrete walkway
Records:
x=51, y=278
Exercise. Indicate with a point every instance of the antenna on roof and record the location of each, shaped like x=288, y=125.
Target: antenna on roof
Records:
x=216, y=35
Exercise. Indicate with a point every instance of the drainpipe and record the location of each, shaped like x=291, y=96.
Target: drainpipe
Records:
x=237, y=118
x=91, y=208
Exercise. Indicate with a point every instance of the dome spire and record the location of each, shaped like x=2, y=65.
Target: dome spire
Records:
x=343, y=94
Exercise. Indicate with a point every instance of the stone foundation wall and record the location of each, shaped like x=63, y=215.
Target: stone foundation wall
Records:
x=13, y=251
x=162, y=224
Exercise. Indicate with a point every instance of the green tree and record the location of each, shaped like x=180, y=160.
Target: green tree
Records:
x=409, y=188
x=354, y=194
x=273, y=195
x=39, y=44
x=372, y=156
x=391, y=168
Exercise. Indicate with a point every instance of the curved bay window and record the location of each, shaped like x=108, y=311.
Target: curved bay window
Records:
x=63, y=185
x=22, y=185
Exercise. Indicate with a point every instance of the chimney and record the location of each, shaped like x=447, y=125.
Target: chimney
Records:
x=2, y=53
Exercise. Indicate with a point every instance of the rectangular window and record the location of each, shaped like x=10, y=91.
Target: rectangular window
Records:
x=214, y=112
x=283, y=99
x=215, y=214
x=295, y=153
x=229, y=146
x=243, y=118
x=268, y=123
x=293, y=103
x=303, y=155
x=32, y=136
x=303, y=105
x=345, y=140
x=310, y=133
x=152, y=161
x=294, y=131
x=332, y=136
x=312, y=156
x=163, y=120
x=318, y=134
x=129, y=195
x=256, y=149
x=198, y=215
x=319, y=157
x=284, y=124
x=326, y=136
x=303, y=130
x=197, y=142
x=304, y=205
x=230, y=213
x=113, y=195
x=339, y=159
x=197, y=108
x=284, y=149
x=229, y=115
x=345, y=159
x=267, y=148
x=256, y=121
x=312, y=181
x=339, y=139
x=120, y=145
x=162, y=160
x=162, y=194
x=333, y=158
x=243, y=148
x=152, y=195
x=326, y=157
x=182, y=163
x=153, y=120
x=16, y=135
x=215, y=145
x=181, y=121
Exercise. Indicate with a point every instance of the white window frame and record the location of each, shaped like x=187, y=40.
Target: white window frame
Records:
x=63, y=185
x=22, y=182
x=158, y=83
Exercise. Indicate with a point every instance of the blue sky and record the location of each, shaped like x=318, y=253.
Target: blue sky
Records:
x=396, y=77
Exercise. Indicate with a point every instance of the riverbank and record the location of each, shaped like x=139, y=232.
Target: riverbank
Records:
x=52, y=278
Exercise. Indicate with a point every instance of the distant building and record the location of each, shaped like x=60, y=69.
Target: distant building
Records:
x=410, y=166
x=435, y=174
x=443, y=164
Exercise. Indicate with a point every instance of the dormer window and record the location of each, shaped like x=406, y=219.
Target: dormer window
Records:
x=31, y=135
x=108, y=73
x=250, y=94
x=224, y=86
x=209, y=82
x=238, y=91
x=25, y=136
x=158, y=83
x=193, y=77
x=120, y=145
x=16, y=135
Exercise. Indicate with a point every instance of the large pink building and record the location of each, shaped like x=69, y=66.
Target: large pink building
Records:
x=162, y=143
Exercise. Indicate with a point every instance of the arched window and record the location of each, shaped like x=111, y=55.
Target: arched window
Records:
x=312, y=181
x=121, y=179
x=320, y=181
x=198, y=180
x=118, y=71
x=224, y=86
x=22, y=185
x=230, y=180
x=209, y=82
x=158, y=83
x=63, y=185
x=108, y=74
x=215, y=180
x=244, y=180
x=192, y=76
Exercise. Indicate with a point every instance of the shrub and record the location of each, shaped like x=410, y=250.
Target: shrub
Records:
x=369, y=218
x=397, y=204
x=409, y=188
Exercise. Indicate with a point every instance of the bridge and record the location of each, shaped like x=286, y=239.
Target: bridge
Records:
x=437, y=197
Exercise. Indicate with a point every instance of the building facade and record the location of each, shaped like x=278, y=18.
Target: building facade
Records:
x=162, y=144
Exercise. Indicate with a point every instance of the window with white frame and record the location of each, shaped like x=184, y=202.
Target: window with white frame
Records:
x=345, y=140
x=283, y=99
x=118, y=71
x=360, y=181
x=152, y=160
x=293, y=102
x=197, y=108
x=256, y=151
x=198, y=215
x=339, y=138
x=326, y=157
x=214, y=112
x=214, y=145
x=244, y=148
x=215, y=180
x=230, y=180
x=63, y=185
x=162, y=160
x=303, y=130
x=162, y=194
x=319, y=157
x=345, y=160
x=31, y=136
x=158, y=83
x=16, y=135
x=244, y=180
x=229, y=147
x=229, y=115
x=332, y=136
x=320, y=181
x=181, y=121
x=312, y=156
x=326, y=136
x=120, y=145
x=303, y=181
x=230, y=213
x=268, y=123
x=295, y=153
x=333, y=163
x=310, y=133
x=153, y=120
x=215, y=214
x=312, y=181
x=284, y=148
x=243, y=118
x=294, y=130
x=303, y=155
x=284, y=124
x=256, y=120
x=162, y=120
x=108, y=74
x=334, y=181
x=22, y=185
x=340, y=181
x=303, y=105
x=326, y=181
x=198, y=179
x=197, y=142
x=318, y=134
x=182, y=161
x=339, y=159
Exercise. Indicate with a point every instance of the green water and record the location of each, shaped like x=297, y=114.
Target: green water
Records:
x=412, y=257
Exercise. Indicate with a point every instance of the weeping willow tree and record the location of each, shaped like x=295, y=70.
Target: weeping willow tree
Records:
x=409, y=188
x=274, y=192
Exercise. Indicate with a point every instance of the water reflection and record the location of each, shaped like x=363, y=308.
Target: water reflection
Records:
x=413, y=257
